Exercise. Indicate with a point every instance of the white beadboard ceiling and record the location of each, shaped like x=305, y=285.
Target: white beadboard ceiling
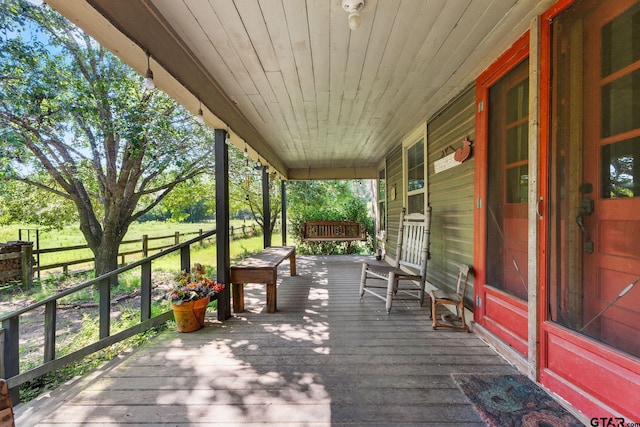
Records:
x=293, y=84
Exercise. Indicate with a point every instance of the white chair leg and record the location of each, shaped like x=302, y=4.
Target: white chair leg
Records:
x=363, y=279
x=390, y=290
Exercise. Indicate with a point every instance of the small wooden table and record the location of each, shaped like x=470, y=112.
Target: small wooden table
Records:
x=261, y=268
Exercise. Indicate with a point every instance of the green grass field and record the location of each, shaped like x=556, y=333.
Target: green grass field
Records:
x=71, y=236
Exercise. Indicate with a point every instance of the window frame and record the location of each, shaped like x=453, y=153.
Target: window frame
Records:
x=383, y=205
x=415, y=137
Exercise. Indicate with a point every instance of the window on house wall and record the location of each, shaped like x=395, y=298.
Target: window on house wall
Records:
x=382, y=200
x=594, y=226
x=415, y=184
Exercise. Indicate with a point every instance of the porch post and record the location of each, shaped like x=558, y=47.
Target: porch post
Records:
x=283, y=215
x=222, y=223
x=266, y=207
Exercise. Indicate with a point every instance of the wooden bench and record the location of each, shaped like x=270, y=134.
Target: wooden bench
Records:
x=332, y=231
x=261, y=268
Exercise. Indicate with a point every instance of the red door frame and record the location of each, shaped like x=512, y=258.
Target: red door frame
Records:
x=596, y=379
x=508, y=307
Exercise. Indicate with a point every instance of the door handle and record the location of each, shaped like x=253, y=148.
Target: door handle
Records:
x=586, y=209
x=540, y=199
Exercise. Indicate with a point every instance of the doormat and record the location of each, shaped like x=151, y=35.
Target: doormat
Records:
x=513, y=400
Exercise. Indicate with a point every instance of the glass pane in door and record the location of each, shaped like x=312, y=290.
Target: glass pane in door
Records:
x=508, y=182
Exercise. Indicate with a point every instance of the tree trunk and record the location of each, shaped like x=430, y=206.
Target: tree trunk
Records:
x=106, y=258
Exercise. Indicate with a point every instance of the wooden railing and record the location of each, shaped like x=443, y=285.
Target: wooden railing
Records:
x=10, y=332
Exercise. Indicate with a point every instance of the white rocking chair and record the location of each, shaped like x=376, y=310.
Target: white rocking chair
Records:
x=412, y=253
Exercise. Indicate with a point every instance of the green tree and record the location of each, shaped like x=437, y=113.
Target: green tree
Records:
x=332, y=201
x=191, y=201
x=245, y=188
x=26, y=204
x=75, y=122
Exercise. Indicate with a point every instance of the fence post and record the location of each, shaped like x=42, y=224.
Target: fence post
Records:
x=145, y=245
x=27, y=264
x=200, y=235
x=177, y=238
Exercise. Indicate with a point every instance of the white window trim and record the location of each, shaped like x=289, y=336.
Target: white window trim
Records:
x=381, y=233
x=411, y=139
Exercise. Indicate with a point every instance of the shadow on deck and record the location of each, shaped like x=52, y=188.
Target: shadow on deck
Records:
x=324, y=359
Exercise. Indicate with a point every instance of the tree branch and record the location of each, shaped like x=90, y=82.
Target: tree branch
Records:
x=39, y=185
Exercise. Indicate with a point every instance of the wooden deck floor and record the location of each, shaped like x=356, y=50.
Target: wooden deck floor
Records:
x=324, y=359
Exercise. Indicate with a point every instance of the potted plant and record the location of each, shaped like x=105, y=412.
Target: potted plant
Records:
x=190, y=295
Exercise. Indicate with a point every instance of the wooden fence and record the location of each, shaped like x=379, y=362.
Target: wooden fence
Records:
x=145, y=249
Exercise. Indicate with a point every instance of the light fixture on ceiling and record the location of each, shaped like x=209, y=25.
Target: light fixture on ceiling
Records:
x=353, y=8
x=148, y=77
x=200, y=116
x=227, y=138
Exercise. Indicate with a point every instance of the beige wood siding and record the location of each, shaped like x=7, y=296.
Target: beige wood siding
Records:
x=451, y=193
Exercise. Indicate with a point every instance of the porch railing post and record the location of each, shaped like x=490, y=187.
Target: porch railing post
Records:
x=185, y=258
x=50, y=312
x=10, y=366
x=105, y=307
x=145, y=291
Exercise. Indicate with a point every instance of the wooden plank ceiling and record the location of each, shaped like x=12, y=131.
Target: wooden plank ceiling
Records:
x=293, y=84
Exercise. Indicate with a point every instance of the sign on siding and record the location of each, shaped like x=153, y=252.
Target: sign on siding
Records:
x=445, y=163
x=454, y=159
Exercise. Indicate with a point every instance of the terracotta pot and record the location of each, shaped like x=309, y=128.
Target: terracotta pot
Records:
x=189, y=316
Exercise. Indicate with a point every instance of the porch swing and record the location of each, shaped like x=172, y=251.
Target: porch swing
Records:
x=332, y=231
